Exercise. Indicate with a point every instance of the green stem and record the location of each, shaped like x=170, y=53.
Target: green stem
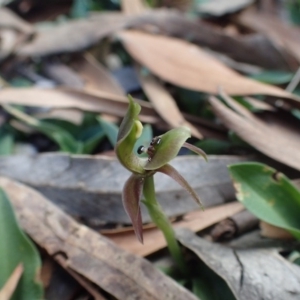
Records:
x=161, y=221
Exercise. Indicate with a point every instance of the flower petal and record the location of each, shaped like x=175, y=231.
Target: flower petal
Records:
x=131, y=200
x=173, y=173
x=168, y=148
x=195, y=149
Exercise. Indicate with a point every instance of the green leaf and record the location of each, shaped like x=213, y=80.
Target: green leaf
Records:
x=80, y=9
x=90, y=144
x=62, y=137
x=208, y=285
x=268, y=194
x=110, y=130
x=214, y=146
x=15, y=248
x=273, y=77
x=168, y=148
x=6, y=143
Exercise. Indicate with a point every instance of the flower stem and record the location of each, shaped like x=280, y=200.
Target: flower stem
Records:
x=161, y=221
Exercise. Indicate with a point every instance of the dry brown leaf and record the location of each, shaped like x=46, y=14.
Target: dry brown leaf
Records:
x=187, y=65
x=253, y=272
x=263, y=51
x=80, y=279
x=90, y=100
x=219, y=8
x=274, y=232
x=164, y=103
x=132, y=7
x=123, y=275
x=8, y=19
x=277, y=138
x=62, y=74
x=11, y=284
x=95, y=76
x=282, y=33
x=195, y=221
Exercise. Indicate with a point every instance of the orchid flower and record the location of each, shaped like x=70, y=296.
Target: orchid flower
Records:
x=161, y=150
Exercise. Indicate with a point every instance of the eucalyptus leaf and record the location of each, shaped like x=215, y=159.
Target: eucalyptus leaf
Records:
x=268, y=194
x=16, y=248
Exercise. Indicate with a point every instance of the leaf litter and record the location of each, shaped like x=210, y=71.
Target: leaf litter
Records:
x=182, y=64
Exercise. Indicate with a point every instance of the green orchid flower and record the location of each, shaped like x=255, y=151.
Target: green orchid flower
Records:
x=160, y=152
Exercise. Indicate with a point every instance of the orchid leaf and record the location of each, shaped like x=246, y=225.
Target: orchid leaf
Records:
x=173, y=173
x=168, y=148
x=131, y=200
x=16, y=248
x=268, y=194
x=129, y=132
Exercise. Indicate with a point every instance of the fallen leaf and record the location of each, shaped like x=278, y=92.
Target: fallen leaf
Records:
x=283, y=34
x=92, y=100
x=10, y=285
x=8, y=19
x=132, y=7
x=277, y=138
x=95, y=76
x=73, y=36
x=62, y=74
x=154, y=239
x=188, y=66
x=119, y=273
x=273, y=232
x=219, y=8
x=263, y=51
x=251, y=274
x=80, y=279
x=164, y=103
x=95, y=194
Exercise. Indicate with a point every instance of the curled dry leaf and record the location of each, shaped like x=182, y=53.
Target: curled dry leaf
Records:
x=98, y=197
x=277, y=138
x=153, y=238
x=251, y=273
x=187, y=65
x=119, y=273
